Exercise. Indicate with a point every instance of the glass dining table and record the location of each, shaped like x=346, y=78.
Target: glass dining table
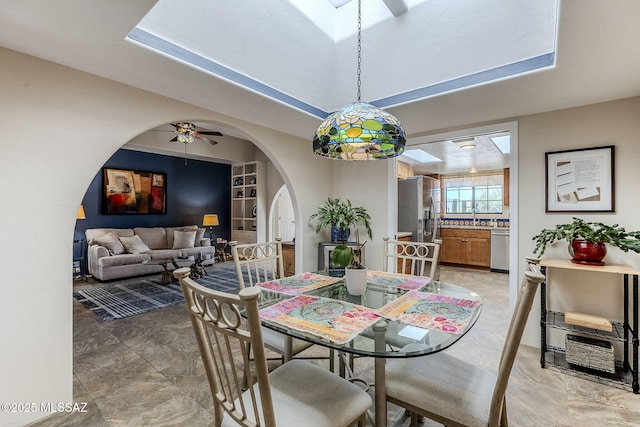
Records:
x=397, y=316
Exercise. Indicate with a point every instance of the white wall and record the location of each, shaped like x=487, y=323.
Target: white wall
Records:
x=59, y=126
x=611, y=123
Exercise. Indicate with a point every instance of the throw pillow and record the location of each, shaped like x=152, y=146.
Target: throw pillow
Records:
x=183, y=239
x=199, y=236
x=111, y=242
x=134, y=244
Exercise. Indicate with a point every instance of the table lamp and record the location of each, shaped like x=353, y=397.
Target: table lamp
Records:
x=210, y=220
x=81, y=214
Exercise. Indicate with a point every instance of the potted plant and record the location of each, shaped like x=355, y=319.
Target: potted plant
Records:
x=588, y=240
x=355, y=273
x=340, y=216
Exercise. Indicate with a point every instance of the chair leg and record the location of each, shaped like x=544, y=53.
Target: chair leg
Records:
x=414, y=420
x=504, y=421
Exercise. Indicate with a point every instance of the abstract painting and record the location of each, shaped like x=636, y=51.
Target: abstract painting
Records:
x=134, y=192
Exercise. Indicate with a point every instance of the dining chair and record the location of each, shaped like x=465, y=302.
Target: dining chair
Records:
x=408, y=258
x=296, y=393
x=411, y=257
x=455, y=392
x=261, y=262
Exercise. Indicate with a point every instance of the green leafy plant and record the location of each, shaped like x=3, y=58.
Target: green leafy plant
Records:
x=341, y=214
x=595, y=232
x=346, y=256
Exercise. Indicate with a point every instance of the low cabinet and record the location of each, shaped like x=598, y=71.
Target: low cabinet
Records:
x=466, y=247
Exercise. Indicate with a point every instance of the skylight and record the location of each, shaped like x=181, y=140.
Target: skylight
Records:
x=338, y=3
x=428, y=55
x=419, y=156
x=503, y=143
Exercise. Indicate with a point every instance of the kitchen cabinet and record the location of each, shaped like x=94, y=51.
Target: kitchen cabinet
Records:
x=289, y=258
x=466, y=247
x=407, y=268
x=626, y=332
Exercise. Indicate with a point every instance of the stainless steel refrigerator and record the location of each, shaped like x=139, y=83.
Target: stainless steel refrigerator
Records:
x=419, y=208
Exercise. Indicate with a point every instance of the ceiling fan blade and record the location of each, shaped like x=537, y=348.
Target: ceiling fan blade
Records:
x=202, y=132
x=205, y=139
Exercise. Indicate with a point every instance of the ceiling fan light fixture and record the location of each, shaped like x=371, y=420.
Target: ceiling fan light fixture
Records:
x=185, y=138
x=359, y=131
x=186, y=132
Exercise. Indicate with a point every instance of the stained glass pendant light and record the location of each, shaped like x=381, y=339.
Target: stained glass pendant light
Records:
x=359, y=131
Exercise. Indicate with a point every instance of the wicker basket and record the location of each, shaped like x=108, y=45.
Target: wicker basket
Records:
x=590, y=353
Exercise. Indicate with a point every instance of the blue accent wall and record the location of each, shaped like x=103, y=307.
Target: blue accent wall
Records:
x=193, y=190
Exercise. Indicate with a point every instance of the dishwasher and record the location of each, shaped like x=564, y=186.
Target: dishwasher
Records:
x=500, y=251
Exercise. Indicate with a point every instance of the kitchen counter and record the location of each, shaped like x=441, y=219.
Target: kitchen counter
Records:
x=471, y=227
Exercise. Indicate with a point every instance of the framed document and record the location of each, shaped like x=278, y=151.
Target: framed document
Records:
x=580, y=180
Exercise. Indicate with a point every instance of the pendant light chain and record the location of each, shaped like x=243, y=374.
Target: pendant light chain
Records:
x=359, y=45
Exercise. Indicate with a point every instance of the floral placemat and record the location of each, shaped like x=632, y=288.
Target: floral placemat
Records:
x=398, y=280
x=299, y=284
x=431, y=311
x=334, y=320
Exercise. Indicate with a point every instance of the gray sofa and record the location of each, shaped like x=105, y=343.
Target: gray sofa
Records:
x=116, y=253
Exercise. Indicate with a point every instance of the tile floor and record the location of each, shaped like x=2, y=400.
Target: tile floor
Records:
x=146, y=371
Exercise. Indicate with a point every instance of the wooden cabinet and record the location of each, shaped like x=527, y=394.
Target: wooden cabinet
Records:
x=505, y=188
x=407, y=267
x=248, y=202
x=289, y=258
x=466, y=247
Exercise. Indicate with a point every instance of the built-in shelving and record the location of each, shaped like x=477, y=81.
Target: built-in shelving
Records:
x=248, y=205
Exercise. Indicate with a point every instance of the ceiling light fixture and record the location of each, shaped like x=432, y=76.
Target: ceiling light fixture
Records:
x=359, y=131
x=468, y=147
x=186, y=132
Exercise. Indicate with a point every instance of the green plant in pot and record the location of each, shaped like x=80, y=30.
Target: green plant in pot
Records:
x=349, y=257
x=588, y=240
x=355, y=273
x=340, y=216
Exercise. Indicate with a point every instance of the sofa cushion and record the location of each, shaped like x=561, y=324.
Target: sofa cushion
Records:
x=93, y=233
x=123, y=259
x=134, y=244
x=170, y=231
x=184, y=239
x=111, y=242
x=153, y=237
x=164, y=254
x=199, y=236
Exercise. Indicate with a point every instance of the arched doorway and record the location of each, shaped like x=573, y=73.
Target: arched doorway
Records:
x=282, y=217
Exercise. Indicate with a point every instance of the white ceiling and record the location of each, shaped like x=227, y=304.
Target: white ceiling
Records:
x=596, y=54
x=435, y=47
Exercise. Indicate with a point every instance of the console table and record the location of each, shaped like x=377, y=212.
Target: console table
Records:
x=626, y=374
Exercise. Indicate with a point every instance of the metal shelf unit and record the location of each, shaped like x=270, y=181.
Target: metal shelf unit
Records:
x=626, y=332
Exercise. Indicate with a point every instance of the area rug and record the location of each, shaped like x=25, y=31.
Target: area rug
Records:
x=117, y=300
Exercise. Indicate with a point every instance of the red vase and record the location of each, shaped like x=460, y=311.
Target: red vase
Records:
x=586, y=252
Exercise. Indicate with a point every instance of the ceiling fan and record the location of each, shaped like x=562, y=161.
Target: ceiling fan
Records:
x=188, y=132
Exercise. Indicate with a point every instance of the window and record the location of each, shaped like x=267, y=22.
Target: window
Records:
x=466, y=192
